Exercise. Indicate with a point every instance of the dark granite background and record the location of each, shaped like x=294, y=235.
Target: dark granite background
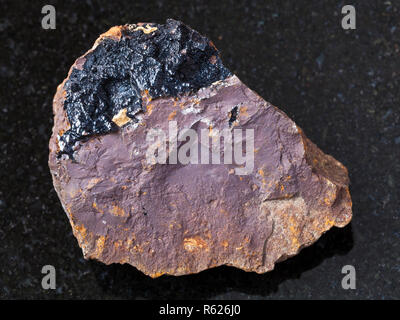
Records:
x=341, y=87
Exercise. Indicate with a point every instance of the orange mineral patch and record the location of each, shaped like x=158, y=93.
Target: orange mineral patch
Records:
x=243, y=111
x=95, y=206
x=99, y=246
x=150, y=108
x=138, y=248
x=171, y=115
x=113, y=33
x=121, y=118
x=117, y=211
x=294, y=232
x=191, y=244
x=157, y=274
x=92, y=183
x=80, y=232
x=146, y=95
x=118, y=244
x=329, y=222
x=146, y=30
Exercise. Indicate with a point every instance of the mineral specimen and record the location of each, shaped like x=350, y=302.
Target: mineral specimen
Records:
x=175, y=217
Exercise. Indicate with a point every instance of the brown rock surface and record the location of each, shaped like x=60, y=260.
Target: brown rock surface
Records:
x=181, y=219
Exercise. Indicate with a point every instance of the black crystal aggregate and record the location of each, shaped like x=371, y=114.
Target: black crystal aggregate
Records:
x=234, y=114
x=169, y=61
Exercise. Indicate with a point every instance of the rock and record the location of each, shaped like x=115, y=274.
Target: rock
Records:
x=166, y=218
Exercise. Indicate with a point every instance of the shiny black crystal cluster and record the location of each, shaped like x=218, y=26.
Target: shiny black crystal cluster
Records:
x=170, y=60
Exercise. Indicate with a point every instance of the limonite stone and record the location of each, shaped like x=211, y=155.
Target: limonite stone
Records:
x=177, y=219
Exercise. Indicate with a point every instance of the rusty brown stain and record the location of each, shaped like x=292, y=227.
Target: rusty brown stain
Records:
x=157, y=274
x=329, y=222
x=243, y=111
x=92, y=183
x=118, y=244
x=150, y=108
x=294, y=233
x=114, y=32
x=212, y=45
x=94, y=205
x=191, y=244
x=117, y=211
x=99, y=246
x=138, y=248
x=172, y=115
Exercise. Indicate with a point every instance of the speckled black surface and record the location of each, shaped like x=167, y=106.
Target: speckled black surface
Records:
x=341, y=87
x=169, y=61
